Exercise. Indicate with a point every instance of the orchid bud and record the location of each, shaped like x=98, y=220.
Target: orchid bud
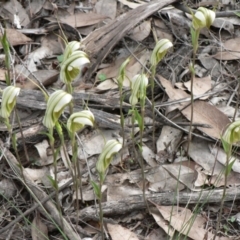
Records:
x=138, y=87
x=79, y=119
x=160, y=51
x=55, y=105
x=122, y=70
x=9, y=97
x=111, y=147
x=203, y=18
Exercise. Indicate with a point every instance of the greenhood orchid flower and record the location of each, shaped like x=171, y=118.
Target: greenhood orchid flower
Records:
x=9, y=97
x=138, y=87
x=111, y=147
x=160, y=51
x=70, y=48
x=79, y=119
x=232, y=133
x=73, y=60
x=55, y=105
x=203, y=18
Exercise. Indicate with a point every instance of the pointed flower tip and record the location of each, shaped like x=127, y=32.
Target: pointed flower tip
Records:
x=9, y=97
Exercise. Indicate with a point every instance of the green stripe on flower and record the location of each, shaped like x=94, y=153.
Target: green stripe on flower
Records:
x=55, y=105
x=9, y=97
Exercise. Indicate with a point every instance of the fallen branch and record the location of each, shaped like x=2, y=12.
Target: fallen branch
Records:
x=136, y=202
x=99, y=43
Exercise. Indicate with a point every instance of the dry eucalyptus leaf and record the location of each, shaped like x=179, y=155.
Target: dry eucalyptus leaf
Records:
x=39, y=230
x=200, y=85
x=169, y=139
x=15, y=37
x=117, y=232
x=107, y=8
x=223, y=23
x=181, y=173
x=221, y=156
x=173, y=93
x=230, y=50
x=141, y=31
x=81, y=19
x=2, y=74
x=186, y=222
x=211, y=64
x=200, y=154
x=204, y=113
x=161, y=30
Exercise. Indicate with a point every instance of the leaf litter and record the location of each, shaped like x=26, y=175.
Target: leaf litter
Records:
x=166, y=170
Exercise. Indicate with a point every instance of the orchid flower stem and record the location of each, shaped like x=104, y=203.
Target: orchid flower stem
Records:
x=121, y=119
x=153, y=72
x=14, y=144
x=142, y=104
x=70, y=91
x=77, y=173
x=100, y=207
x=195, y=37
x=52, y=142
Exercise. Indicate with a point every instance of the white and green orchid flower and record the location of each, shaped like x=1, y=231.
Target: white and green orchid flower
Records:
x=111, y=147
x=73, y=61
x=70, y=48
x=160, y=51
x=203, y=18
x=232, y=133
x=9, y=97
x=55, y=105
x=138, y=88
x=79, y=119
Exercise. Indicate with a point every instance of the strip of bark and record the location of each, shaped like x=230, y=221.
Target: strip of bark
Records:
x=134, y=203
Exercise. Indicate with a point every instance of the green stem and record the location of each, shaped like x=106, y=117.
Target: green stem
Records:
x=52, y=142
x=100, y=206
x=121, y=120
x=142, y=103
x=195, y=37
x=153, y=73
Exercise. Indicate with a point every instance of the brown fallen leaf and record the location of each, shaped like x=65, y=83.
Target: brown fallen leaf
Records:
x=15, y=37
x=231, y=50
x=200, y=85
x=46, y=77
x=107, y=8
x=173, y=93
x=186, y=222
x=117, y=232
x=2, y=74
x=82, y=19
x=204, y=113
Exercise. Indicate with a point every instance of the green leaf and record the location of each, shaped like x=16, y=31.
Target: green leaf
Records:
x=102, y=77
x=53, y=182
x=60, y=58
x=229, y=167
x=96, y=189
